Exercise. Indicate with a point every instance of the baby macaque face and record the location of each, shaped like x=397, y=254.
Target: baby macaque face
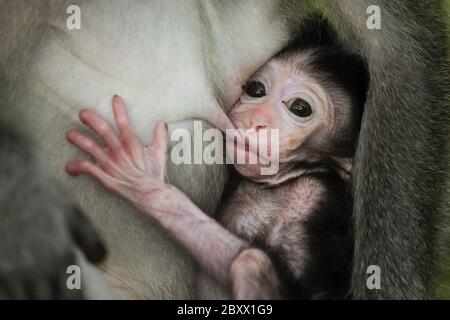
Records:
x=284, y=96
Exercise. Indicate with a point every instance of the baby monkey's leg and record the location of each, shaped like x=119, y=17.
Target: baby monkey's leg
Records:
x=253, y=277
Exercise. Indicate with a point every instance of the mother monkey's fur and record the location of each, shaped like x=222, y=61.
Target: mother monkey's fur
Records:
x=192, y=57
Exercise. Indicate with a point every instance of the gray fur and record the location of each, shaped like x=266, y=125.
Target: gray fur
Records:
x=400, y=170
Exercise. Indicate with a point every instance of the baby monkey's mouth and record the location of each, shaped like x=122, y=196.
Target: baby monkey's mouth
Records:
x=250, y=152
x=247, y=146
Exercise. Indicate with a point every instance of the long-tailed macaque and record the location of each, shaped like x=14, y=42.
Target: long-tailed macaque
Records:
x=283, y=235
x=179, y=60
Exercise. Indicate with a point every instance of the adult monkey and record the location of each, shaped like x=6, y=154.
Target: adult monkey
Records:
x=193, y=56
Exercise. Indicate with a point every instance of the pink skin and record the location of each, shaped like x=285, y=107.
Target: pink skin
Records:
x=270, y=112
x=124, y=167
x=138, y=174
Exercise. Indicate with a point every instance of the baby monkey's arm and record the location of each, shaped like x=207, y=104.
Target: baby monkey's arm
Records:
x=138, y=174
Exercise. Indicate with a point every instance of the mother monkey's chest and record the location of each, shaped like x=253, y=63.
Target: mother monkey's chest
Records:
x=169, y=62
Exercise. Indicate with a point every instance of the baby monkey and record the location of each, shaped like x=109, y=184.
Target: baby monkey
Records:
x=288, y=235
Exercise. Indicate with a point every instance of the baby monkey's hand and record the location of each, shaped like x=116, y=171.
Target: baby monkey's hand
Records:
x=125, y=167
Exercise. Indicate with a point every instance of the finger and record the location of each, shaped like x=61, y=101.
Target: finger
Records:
x=79, y=167
x=160, y=142
x=123, y=120
x=87, y=145
x=131, y=142
x=121, y=115
x=86, y=237
x=101, y=127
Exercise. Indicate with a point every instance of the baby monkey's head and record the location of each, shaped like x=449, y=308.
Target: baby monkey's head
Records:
x=314, y=96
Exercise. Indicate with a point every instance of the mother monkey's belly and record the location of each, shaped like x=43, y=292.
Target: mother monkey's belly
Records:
x=163, y=59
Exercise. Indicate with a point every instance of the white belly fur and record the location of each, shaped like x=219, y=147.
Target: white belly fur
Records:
x=143, y=262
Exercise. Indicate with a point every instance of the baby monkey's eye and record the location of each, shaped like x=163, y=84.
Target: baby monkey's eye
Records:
x=299, y=107
x=255, y=89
